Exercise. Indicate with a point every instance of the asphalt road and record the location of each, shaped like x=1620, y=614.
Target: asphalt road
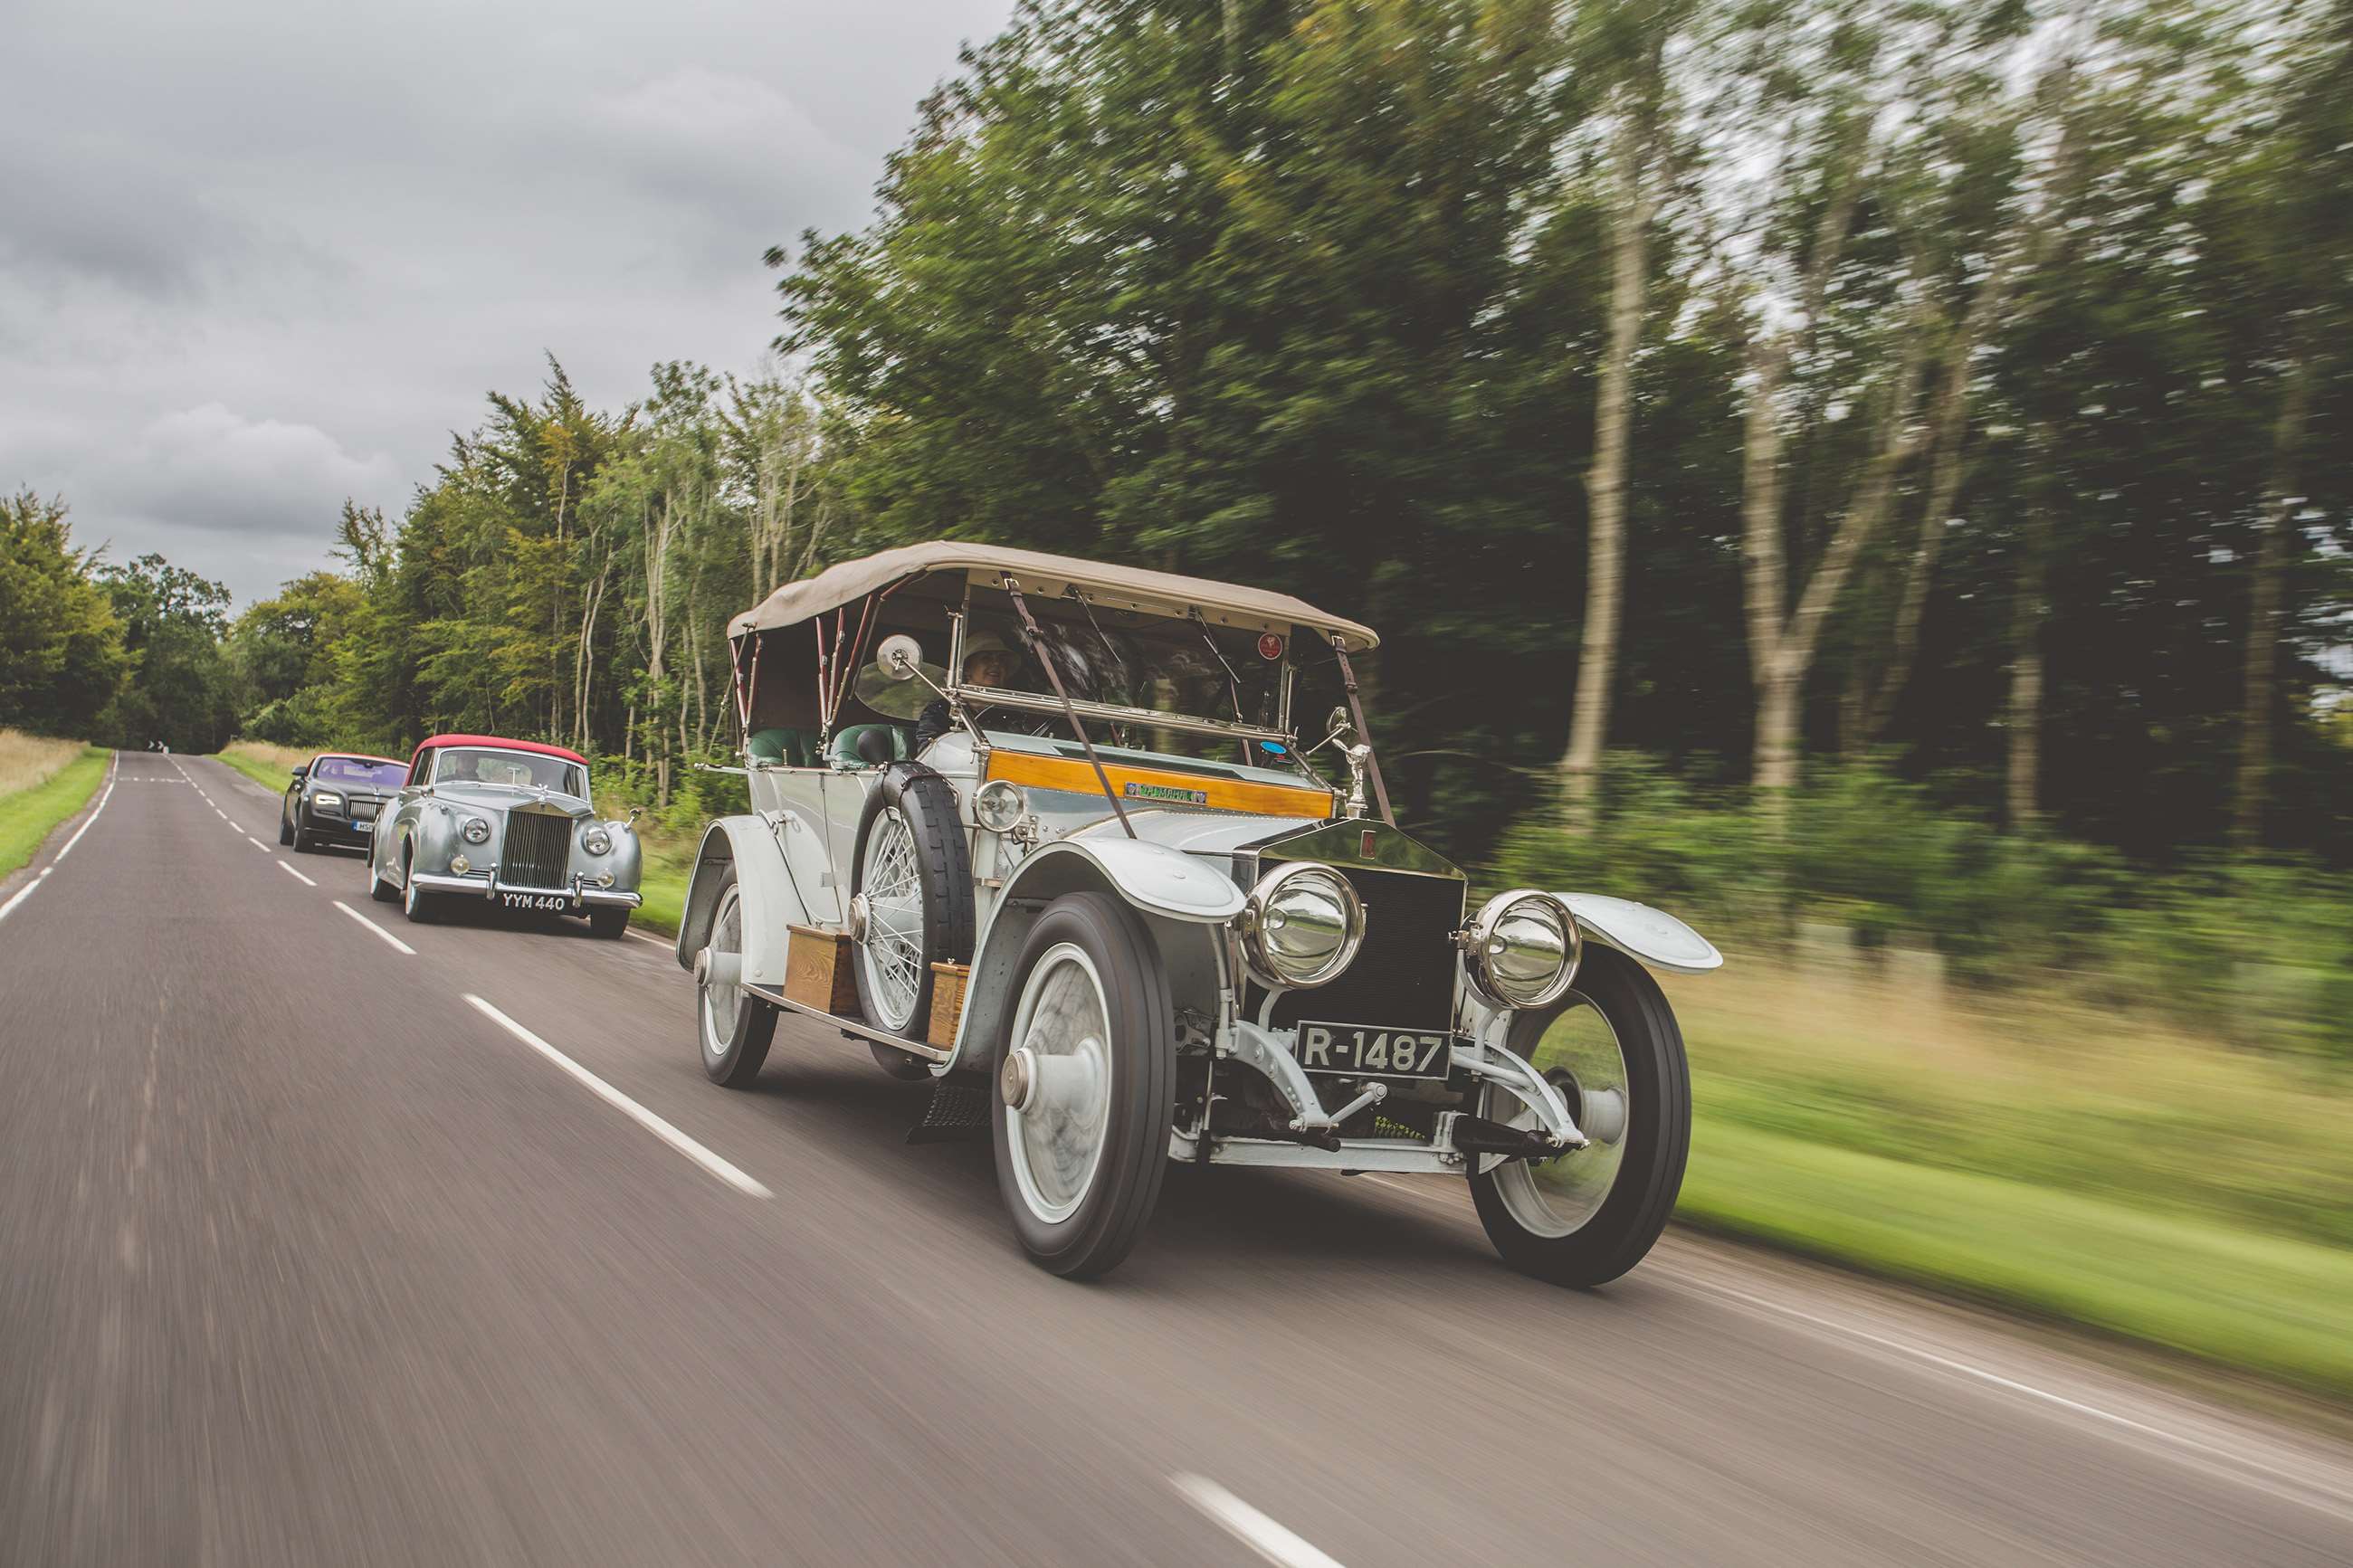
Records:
x=306, y=1256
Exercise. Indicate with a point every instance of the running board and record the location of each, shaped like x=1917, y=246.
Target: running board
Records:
x=856, y=1027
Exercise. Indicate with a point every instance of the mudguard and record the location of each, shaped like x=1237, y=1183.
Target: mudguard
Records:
x=771, y=901
x=1164, y=884
x=1656, y=937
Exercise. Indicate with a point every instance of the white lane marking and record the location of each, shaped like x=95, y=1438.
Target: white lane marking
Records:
x=622, y=1102
x=657, y=940
x=1254, y=1529
x=296, y=875
x=256, y=843
x=2206, y=1458
x=369, y=923
x=43, y=874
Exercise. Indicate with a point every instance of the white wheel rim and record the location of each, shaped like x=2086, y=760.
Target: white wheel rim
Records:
x=891, y=951
x=722, y=1001
x=1056, y=1143
x=1580, y=1053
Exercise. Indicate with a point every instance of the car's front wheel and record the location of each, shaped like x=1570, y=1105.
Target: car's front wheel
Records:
x=419, y=905
x=1613, y=1049
x=734, y=1026
x=1085, y=1086
x=285, y=833
x=382, y=891
x=608, y=919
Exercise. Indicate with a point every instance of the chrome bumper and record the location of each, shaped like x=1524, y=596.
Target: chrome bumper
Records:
x=484, y=886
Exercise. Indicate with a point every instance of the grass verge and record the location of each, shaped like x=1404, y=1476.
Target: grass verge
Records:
x=2078, y=1166
x=269, y=766
x=28, y=816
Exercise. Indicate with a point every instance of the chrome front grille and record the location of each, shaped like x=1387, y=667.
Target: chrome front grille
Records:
x=538, y=850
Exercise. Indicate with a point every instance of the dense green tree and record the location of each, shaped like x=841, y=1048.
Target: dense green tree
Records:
x=61, y=654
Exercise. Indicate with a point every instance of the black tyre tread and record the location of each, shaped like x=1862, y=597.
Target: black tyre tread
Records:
x=1618, y=1237
x=382, y=891
x=608, y=921
x=1129, y=1186
x=285, y=834
x=929, y=804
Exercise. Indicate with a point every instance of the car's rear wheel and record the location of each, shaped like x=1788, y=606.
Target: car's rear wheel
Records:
x=734, y=1026
x=1612, y=1047
x=1085, y=1086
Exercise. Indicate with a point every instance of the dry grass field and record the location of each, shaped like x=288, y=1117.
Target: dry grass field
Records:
x=29, y=760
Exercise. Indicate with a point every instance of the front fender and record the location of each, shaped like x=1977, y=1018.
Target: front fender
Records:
x=1654, y=936
x=770, y=901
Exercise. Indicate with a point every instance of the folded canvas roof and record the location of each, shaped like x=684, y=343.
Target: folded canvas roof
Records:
x=1045, y=577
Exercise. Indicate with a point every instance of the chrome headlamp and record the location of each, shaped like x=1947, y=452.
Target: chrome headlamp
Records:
x=475, y=830
x=1522, y=949
x=999, y=804
x=597, y=840
x=327, y=798
x=1299, y=926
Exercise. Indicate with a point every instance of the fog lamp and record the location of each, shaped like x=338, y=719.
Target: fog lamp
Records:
x=460, y=865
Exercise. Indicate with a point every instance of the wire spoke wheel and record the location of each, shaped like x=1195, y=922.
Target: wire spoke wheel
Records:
x=892, y=949
x=1064, y=1026
x=1580, y=1056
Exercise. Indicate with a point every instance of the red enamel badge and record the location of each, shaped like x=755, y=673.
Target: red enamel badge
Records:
x=1269, y=645
x=1365, y=845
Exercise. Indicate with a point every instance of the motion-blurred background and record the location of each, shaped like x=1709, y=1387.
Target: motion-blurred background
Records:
x=1869, y=478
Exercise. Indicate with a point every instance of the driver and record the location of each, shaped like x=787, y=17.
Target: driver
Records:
x=989, y=661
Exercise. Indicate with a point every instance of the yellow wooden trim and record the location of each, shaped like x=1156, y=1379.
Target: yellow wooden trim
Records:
x=1078, y=776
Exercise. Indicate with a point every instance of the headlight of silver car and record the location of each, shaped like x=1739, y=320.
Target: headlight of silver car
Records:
x=999, y=804
x=475, y=830
x=1522, y=949
x=1299, y=926
x=597, y=841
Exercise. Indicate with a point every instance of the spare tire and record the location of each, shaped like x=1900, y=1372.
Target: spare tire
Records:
x=912, y=877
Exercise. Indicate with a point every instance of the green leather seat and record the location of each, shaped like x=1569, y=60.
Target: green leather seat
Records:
x=844, y=749
x=783, y=748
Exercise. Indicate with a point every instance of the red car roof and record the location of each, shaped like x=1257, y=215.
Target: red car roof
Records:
x=432, y=742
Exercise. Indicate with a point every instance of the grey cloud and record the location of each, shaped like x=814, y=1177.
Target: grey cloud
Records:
x=257, y=257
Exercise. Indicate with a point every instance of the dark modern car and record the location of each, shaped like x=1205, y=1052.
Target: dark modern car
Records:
x=333, y=799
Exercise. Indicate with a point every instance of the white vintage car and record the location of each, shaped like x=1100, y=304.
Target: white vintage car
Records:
x=1044, y=832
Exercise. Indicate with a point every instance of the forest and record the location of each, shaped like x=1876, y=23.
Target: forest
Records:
x=1876, y=455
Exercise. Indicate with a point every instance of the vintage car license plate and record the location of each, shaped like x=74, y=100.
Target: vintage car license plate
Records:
x=1364, y=1048
x=536, y=901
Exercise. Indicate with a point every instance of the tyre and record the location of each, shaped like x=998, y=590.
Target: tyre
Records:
x=422, y=908
x=608, y=921
x=1612, y=1047
x=382, y=891
x=300, y=839
x=912, y=882
x=285, y=834
x=734, y=1025
x=1086, y=1074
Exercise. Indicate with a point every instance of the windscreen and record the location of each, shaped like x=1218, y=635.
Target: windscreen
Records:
x=516, y=769
x=359, y=771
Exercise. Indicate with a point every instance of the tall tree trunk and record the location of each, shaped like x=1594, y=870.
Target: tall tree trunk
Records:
x=2028, y=609
x=2267, y=611
x=1605, y=481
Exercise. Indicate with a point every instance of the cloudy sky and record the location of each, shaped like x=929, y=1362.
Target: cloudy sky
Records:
x=256, y=257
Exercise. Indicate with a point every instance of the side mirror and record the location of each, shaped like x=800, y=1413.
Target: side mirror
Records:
x=1338, y=720
x=303, y=771
x=873, y=746
x=899, y=656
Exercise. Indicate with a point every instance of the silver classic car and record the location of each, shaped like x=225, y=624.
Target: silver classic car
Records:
x=1051, y=834
x=507, y=823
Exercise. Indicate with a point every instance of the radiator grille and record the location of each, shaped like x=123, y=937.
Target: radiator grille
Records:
x=538, y=850
x=1403, y=977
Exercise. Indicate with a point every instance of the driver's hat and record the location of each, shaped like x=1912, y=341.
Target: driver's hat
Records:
x=984, y=642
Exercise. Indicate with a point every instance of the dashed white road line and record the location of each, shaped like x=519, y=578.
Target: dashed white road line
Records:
x=657, y=940
x=1270, y=1538
x=41, y=876
x=296, y=875
x=369, y=923
x=622, y=1102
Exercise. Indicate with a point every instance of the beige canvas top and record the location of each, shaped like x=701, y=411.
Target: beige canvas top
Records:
x=1045, y=577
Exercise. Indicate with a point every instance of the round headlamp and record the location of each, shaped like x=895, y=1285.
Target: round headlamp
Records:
x=1299, y=926
x=597, y=841
x=999, y=804
x=475, y=830
x=1523, y=948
